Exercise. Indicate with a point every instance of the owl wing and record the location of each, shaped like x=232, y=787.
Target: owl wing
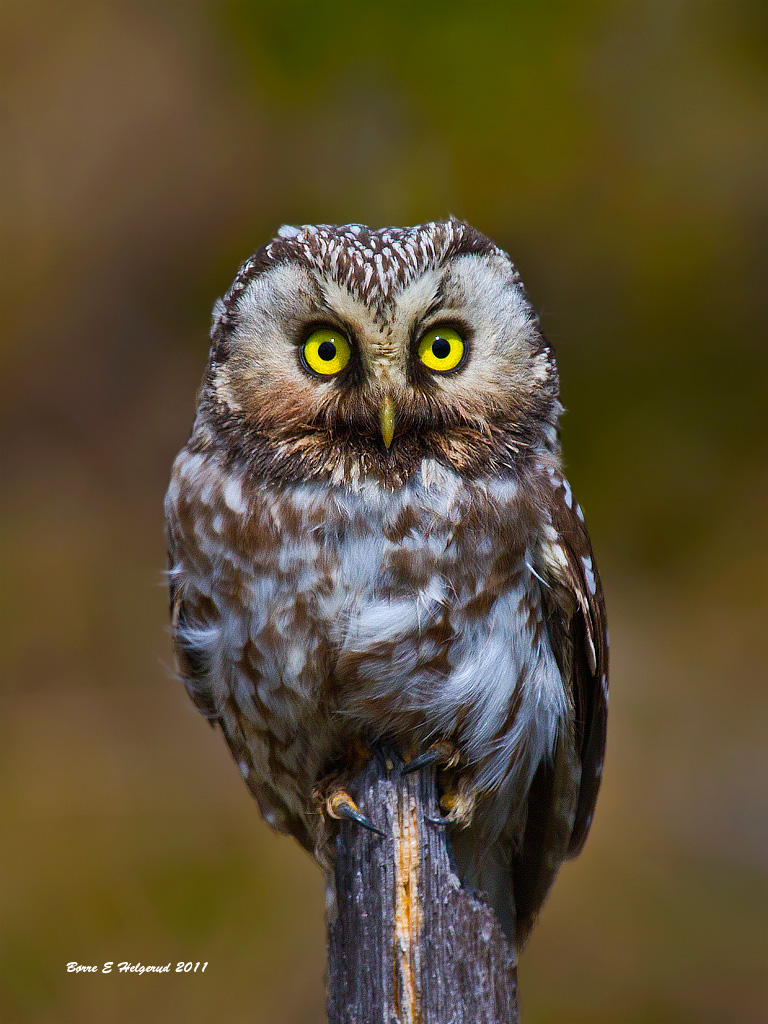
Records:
x=562, y=796
x=194, y=620
x=578, y=628
x=576, y=614
x=189, y=620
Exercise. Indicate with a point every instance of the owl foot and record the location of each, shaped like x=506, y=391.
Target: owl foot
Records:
x=338, y=804
x=458, y=801
x=457, y=798
x=443, y=754
x=341, y=805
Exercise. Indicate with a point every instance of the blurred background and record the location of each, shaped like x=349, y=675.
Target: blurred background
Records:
x=618, y=151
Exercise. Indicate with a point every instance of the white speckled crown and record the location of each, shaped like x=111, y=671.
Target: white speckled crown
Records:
x=373, y=264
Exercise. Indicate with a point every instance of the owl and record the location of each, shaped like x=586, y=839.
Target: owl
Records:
x=371, y=540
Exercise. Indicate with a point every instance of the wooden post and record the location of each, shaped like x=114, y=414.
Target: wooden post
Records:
x=406, y=944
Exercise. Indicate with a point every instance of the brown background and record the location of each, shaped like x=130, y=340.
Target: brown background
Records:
x=618, y=151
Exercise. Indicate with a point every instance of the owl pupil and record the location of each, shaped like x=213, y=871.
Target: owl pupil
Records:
x=441, y=348
x=327, y=350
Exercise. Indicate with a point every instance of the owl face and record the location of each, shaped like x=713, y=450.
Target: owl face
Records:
x=341, y=346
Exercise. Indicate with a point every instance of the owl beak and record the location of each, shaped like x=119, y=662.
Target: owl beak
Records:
x=387, y=419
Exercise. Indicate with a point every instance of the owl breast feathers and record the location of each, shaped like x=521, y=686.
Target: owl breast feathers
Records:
x=371, y=538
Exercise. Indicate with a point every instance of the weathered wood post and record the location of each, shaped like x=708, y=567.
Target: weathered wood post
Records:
x=406, y=944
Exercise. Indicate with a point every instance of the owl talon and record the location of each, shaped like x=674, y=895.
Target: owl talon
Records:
x=341, y=805
x=442, y=753
x=441, y=822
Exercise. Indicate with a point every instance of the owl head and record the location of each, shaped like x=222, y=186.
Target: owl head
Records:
x=342, y=351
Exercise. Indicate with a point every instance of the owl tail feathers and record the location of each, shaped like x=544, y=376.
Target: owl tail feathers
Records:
x=494, y=881
x=491, y=877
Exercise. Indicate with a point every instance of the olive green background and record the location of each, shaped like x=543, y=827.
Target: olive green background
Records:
x=618, y=151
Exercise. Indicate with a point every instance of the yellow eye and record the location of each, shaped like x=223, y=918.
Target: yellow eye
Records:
x=326, y=351
x=441, y=349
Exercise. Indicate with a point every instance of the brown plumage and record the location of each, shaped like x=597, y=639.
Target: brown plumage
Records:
x=371, y=538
